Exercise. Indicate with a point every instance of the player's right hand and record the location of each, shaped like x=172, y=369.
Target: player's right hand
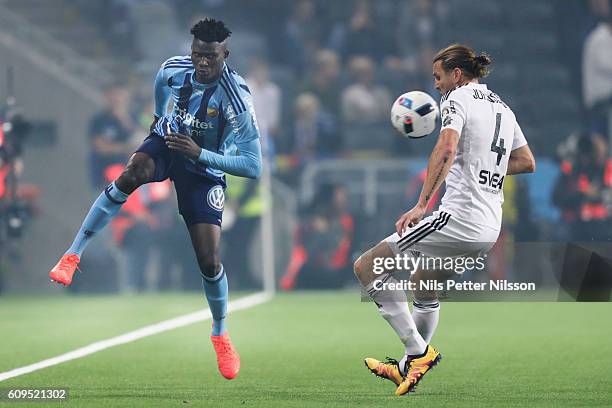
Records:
x=409, y=219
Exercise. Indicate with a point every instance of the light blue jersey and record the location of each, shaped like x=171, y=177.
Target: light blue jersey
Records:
x=217, y=116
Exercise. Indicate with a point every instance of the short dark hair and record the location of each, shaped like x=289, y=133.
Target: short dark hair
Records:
x=210, y=30
x=464, y=58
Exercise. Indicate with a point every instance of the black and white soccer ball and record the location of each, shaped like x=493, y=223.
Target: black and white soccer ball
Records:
x=414, y=114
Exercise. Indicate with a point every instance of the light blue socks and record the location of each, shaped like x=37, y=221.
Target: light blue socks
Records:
x=101, y=213
x=216, y=291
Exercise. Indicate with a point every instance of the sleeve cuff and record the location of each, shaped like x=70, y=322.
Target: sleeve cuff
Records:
x=202, y=156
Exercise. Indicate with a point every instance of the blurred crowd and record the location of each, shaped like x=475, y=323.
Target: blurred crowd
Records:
x=323, y=75
x=323, y=90
x=583, y=189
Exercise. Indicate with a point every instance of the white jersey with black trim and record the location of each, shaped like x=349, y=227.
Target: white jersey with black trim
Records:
x=488, y=132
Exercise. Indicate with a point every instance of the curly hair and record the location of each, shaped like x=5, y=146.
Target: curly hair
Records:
x=210, y=30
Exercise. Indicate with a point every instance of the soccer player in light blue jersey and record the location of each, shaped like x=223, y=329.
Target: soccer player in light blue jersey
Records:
x=211, y=130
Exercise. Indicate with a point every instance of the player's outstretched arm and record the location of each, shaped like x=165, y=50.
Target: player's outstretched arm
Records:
x=440, y=162
x=246, y=164
x=521, y=161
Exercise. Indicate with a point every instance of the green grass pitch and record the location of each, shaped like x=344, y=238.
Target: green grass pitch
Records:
x=307, y=350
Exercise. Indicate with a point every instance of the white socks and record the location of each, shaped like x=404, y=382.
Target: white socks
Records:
x=426, y=314
x=393, y=306
x=403, y=363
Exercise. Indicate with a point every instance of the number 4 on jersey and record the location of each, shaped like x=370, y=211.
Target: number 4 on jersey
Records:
x=500, y=150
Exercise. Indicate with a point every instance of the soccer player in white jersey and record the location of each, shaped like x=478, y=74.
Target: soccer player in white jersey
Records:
x=480, y=143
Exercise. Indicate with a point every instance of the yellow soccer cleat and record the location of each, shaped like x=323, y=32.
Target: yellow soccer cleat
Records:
x=417, y=368
x=388, y=370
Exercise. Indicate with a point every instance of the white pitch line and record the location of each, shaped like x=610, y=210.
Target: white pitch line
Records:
x=181, y=321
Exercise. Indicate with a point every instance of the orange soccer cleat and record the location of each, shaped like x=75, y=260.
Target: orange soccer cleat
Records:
x=417, y=368
x=228, y=359
x=388, y=370
x=62, y=272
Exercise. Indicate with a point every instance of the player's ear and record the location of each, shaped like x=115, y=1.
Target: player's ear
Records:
x=226, y=54
x=457, y=74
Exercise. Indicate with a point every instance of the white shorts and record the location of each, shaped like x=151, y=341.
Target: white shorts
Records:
x=445, y=236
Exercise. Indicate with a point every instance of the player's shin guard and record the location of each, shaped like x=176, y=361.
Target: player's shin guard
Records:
x=101, y=213
x=426, y=314
x=216, y=292
x=393, y=307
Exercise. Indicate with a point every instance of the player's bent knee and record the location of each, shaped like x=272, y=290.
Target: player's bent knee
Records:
x=357, y=267
x=209, y=268
x=362, y=270
x=139, y=170
x=419, y=294
x=128, y=182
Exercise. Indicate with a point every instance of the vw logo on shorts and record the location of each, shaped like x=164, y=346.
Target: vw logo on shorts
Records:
x=216, y=198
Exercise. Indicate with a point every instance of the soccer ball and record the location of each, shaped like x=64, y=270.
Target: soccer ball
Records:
x=414, y=114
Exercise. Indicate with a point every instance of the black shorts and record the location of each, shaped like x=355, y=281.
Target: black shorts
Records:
x=200, y=198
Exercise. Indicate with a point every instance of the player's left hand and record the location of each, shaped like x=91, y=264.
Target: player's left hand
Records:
x=183, y=144
x=410, y=219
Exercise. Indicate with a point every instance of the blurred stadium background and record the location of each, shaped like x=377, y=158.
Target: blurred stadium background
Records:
x=76, y=80
x=323, y=75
